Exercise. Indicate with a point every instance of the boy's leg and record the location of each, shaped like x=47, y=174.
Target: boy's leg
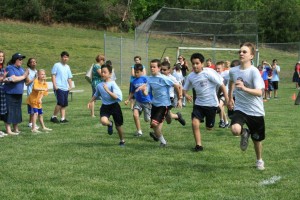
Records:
x=258, y=149
x=120, y=133
x=34, y=118
x=136, y=117
x=196, y=131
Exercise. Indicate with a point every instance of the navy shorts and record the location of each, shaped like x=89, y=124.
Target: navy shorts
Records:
x=61, y=97
x=29, y=110
x=256, y=124
x=209, y=113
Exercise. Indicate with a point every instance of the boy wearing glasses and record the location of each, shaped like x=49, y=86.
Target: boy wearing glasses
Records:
x=142, y=98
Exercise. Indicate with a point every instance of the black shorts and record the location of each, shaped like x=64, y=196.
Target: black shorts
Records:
x=114, y=110
x=158, y=113
x=201, y=112
x=256, y=124
x=275, y=85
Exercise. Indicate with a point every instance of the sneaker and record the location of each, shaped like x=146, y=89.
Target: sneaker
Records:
x=153, y=136
x=244, y=139
x=122, y=143
x=54, y=120
x=64, y=121
x=46, y=129
x=168, y=117
x=138, y=133
x=227, y=125
x=3, y=134
x=163, y=145
x=35, y=131
x=221, y=124
x=110, y=129
x=260, y=165
x=198, y=148
x=30, y=126
x=180, y=119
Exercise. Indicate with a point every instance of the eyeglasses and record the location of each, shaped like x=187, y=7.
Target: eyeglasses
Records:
x=244, y=52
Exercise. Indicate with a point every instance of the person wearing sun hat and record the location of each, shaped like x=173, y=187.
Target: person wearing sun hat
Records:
x=14, y=86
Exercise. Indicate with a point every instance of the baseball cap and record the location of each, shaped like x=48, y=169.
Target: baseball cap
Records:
x=17, y=56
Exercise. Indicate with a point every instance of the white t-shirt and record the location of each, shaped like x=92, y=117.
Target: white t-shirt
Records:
x=172, y=93
x=245, y=102
x=205, y=84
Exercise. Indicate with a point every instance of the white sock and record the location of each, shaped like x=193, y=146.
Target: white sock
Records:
x=140, y=132
x=62, y=119
x=162, y=139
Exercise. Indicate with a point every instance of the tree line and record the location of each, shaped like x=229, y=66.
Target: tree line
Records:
x=278, y=21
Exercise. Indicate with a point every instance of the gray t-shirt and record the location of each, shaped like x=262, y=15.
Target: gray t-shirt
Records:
x=245, y=102
x=205, y=84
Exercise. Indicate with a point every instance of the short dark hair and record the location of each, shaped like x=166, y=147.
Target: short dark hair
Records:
x=138, y=67
x=139, y=57
x=109, y=67
x=64, y=53
x=156, y=61
x=199, y=56
x=166, y=63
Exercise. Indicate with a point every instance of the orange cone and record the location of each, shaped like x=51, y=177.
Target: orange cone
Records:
x=294, y=96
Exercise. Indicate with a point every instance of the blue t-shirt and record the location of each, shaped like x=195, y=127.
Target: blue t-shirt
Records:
x=14, y=87
x=62, y=74
x=139, y=96
x=159, y=88
x=106, y=98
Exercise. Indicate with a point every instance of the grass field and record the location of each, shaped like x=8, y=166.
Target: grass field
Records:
x=79, y=160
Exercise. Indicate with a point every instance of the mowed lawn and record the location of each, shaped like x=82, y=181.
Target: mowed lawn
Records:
x=79, y=160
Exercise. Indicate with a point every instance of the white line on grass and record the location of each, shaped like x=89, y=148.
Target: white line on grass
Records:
x=271, y=180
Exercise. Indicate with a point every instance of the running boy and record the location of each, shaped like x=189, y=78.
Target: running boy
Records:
x=166, y=70
x=205, y=81
x=39, y=90
x=62, y=84
x=159, y=86
x=248, y=107
x=142, y=99
x=111, y=95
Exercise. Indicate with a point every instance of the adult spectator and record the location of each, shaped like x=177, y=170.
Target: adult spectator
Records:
x=14, y=86
x=3, y=109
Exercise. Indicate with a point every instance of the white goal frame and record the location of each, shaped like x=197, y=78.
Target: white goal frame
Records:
x=214, y=49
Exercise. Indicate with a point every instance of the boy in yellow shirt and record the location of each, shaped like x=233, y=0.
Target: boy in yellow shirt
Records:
x=39, y=90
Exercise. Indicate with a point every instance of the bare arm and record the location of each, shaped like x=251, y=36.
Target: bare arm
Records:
x=53, y=78
x=178, y=89
x=255, y=92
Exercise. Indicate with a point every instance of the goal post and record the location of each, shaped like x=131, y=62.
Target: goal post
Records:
x=214, y=51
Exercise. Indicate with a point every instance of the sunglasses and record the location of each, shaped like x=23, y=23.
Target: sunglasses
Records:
x=244, y=52
x=20, y=59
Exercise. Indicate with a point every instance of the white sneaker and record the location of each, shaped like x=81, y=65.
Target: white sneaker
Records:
x=2, y=134
x=260, y=165
x=138, y=133
x=30, y=125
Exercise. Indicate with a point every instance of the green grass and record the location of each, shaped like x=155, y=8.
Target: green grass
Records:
x=80, y=160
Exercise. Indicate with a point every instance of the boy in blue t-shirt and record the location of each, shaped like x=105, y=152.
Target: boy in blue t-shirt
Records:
x=159, y=86
x=142, y=99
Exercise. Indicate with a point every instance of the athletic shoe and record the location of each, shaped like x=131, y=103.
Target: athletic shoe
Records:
x=64, y=121
x=227, y=125
x=260, y=165
x=2, y=134
x=221, y=124
x=54, y=120
x=30, y=125
x=198, y=148
x=180, y=119
x=244, y=139
x=122, y=143
x=163, y=145
x=46, y=129
x=138, y=133
x=153, y=136
x=110, y=129
x=168, y=117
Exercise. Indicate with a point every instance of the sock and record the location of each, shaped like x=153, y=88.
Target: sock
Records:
x=162, y=139
x=53, y=116
x=140, y=131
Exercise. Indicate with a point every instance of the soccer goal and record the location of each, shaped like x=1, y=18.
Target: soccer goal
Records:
x=215, y=53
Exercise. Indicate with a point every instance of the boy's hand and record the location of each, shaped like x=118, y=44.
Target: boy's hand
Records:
x=126, y=102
